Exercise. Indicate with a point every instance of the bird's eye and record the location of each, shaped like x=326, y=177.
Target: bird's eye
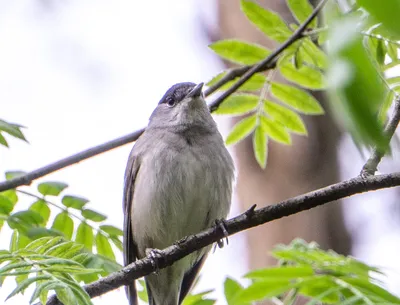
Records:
x=170, y=101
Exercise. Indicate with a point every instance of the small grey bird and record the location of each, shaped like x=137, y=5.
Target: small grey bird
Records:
x=178, y=182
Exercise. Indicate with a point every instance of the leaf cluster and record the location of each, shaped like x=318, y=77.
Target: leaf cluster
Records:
x=47, y=264
x=322, y=277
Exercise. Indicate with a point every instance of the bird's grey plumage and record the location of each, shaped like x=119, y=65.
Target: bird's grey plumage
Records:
x=178, y=181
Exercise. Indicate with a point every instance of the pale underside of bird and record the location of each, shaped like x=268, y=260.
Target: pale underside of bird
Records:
x=178, y=182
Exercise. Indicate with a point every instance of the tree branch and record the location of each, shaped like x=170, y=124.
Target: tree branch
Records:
x=370, y=167
x=245, y=74
x=55, y=166
x=247, y=220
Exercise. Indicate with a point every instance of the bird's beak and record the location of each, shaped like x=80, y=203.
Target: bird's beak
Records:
x=196, y=91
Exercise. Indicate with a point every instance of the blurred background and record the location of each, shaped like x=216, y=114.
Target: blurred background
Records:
x=78, y=73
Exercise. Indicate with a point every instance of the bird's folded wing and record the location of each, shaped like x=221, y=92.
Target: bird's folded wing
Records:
x=129, y=245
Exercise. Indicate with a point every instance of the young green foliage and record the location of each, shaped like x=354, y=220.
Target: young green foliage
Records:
x=357, y=90
x=87, y=228
x=306, y=270
x=11, y=129
x=47, y=264
x=302, y=64
x=239, y=52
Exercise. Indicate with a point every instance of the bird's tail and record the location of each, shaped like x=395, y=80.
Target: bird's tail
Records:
x=150, y=295
x=131, y=294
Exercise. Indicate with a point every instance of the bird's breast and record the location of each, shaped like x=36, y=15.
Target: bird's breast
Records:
x=180, y=191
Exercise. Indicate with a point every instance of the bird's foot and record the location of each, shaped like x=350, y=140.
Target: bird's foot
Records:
x=154, y=256
x=220, y=223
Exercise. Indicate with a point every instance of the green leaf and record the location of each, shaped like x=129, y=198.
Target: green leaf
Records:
x=24, y=284
x=288, y=272
x=36, y=244
x=51, y=188
x=256, y=82
x=79, y=293
x=240, y=52
x=103, y=246
x=34, y=233
x=109, y=266
x=45, y=243
x=6, y=205
x=24, y=219
x=84, y=236
x=380, y=52
x=231, y=289
x=12, y=129
x=23, y=240
x=117, y=242
x=65, y=295
x=285, y=116
x=198, y=298
x=296, y=98
x=42, y=290
x=304, y=76
x=241, y=130
x=74, y=202
x=386, y=13
x=11, y=195
x=325, y=297
x=14, y=174
x=64, y=224
x=14, y=266
x=270, y=23
x=314, y=287
x=357, y=88
x=111, y=230
x=312, y=54
x=297, y=60
x=275, y=130
x=42, y=209
x=93, y=215
x=3, y=141
x=301, y=10
x=65, y=249
x=14, y=241
x=261, y=290
x=260, y=146
x=372, y=289
x=238, y=104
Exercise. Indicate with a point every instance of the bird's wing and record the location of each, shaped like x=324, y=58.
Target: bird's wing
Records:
x=130, y=247
x=189, y=278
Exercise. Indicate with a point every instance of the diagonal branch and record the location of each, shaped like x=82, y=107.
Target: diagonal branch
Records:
x=247, y=220
x=245, y=73
x=371, y=166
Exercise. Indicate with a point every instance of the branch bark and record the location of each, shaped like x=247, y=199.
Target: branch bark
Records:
x=245, y=74
x=249, y=219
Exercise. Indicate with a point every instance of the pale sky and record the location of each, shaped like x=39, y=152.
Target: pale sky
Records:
x=78, y=73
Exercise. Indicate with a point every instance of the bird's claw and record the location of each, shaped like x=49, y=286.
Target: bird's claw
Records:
x=220, y=223
x=154, y=255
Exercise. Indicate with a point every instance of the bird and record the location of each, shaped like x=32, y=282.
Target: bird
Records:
x=178, y=182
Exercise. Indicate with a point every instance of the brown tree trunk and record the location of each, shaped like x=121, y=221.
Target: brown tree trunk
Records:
x=310, y=163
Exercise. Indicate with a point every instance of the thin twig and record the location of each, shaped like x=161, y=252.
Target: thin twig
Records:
x=377, y=154
x=245, y=74
x=240, y=223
